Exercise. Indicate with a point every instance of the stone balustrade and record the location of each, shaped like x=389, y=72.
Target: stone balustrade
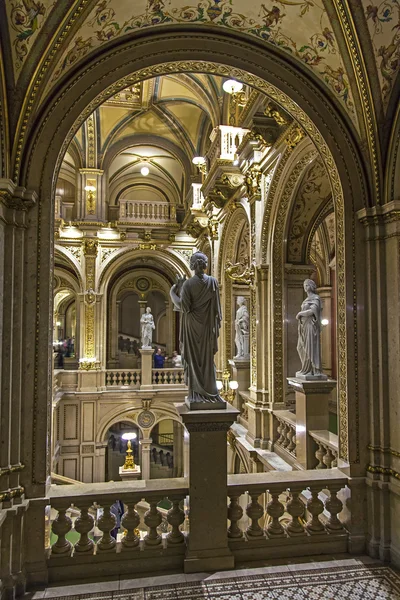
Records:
x=327, y=448
x=286, y=431
x=116, y=378
x=168, y=377
x=138, y=210
x=84, y=500
x=288, y=514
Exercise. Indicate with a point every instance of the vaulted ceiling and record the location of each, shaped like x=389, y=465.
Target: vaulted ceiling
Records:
x=351, y=46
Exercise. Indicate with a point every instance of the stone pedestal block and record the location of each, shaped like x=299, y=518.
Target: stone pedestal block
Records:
x=312, y=413
x=208, y=542
x=147, y=366
x=241, y=373
x=129, y=474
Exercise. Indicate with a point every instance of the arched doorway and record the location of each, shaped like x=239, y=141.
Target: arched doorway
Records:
x=167, y=449
x=116, y=448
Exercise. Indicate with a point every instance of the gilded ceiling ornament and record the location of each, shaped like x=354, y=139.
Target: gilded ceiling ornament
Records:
x=273, y=111
x=240, y=273
x=90, y=247
x=294, y=136
x=253, y=181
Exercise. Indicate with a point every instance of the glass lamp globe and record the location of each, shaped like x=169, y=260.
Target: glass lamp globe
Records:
x=129, y=435
x=233, y=385
x=220, y=385
x=231, y=86
x=198, y=160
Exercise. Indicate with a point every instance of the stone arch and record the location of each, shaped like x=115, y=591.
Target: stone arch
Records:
x=225, y=53
x=231, y=233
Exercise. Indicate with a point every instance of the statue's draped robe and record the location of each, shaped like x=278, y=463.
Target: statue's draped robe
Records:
x=241, y=327
x=200, y=322
x=308, y=345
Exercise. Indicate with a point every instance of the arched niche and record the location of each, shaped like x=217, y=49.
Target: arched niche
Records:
x=145, y=287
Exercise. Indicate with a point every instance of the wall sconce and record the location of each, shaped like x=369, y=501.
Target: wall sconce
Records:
x=129, y=461
x=201, y=164
x=226, y=387
x=238, y=97
x=90, y=198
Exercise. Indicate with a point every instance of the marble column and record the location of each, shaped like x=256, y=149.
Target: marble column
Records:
x=178, y=449
x=241, y=373
x=208, y=542
x=145, y=445
x=312, y=414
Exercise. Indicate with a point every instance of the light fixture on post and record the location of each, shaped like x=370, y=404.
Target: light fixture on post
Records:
x=129, y=463
x=238, y=97
x=90, y=197
x=201, y=164
x=145, y=171
x=226, y=387
x=324, y=322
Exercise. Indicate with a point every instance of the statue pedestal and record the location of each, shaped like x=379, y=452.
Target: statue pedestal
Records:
x=312, y=413
x=129, y=474
x=147, y=368
x=208, y=541
x=241, y=373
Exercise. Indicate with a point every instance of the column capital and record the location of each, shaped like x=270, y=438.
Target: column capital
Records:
x=208, y=420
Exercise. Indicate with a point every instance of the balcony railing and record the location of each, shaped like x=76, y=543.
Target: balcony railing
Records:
x=138, y=210
x=116, y=378
x=286, y=514
x=168, y=377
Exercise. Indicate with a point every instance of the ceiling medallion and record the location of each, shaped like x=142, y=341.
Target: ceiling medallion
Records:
x=146, y=419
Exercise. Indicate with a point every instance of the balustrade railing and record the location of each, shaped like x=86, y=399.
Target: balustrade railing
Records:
x=137, y=210
x=301, y=507
x=168, y=377
x=117, y=378
x=327, y=449
x=286, y=430
x=84, y=501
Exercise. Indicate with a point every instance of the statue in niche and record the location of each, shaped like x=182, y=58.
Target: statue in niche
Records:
x=309, y=330
x=147, y=323
x=242, y=322
x=198, y=301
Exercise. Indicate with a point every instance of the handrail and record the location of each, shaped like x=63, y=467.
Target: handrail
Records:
x=117, y=490
x=277, y=480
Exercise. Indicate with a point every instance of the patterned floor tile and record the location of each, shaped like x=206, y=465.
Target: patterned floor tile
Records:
x=353, y=580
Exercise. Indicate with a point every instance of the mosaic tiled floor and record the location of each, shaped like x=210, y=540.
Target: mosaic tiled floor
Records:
x=317, y=581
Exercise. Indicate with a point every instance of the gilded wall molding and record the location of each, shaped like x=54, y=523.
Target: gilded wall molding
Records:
x=353, y=45
x=277, y=274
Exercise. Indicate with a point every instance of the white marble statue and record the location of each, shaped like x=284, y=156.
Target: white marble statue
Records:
x=242, y=322
x=198, y=301
x=309, y=330
x=147, y=323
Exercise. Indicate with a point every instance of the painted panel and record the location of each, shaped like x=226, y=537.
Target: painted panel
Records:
x=70, y=418
x=301, y=28
x=70, y=468
x=88, y=409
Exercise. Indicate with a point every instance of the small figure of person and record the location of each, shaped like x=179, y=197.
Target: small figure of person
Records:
x=118, y=510
x=159, y=359
x=162, y=458
x=60, y=358
x=148, y=325
x=176, y=360
x=154, y=453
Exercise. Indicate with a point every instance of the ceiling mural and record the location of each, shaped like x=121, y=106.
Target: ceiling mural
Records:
x=383, y=20
x=300, y=27
x=314, y=191
x=26, y=18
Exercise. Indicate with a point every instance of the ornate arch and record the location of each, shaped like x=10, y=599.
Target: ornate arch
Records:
x=204, y=50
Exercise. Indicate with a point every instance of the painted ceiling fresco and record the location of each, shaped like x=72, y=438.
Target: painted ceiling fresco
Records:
x=300, y=27
x=313, y=192
x=383, y=20
x=26, y=18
